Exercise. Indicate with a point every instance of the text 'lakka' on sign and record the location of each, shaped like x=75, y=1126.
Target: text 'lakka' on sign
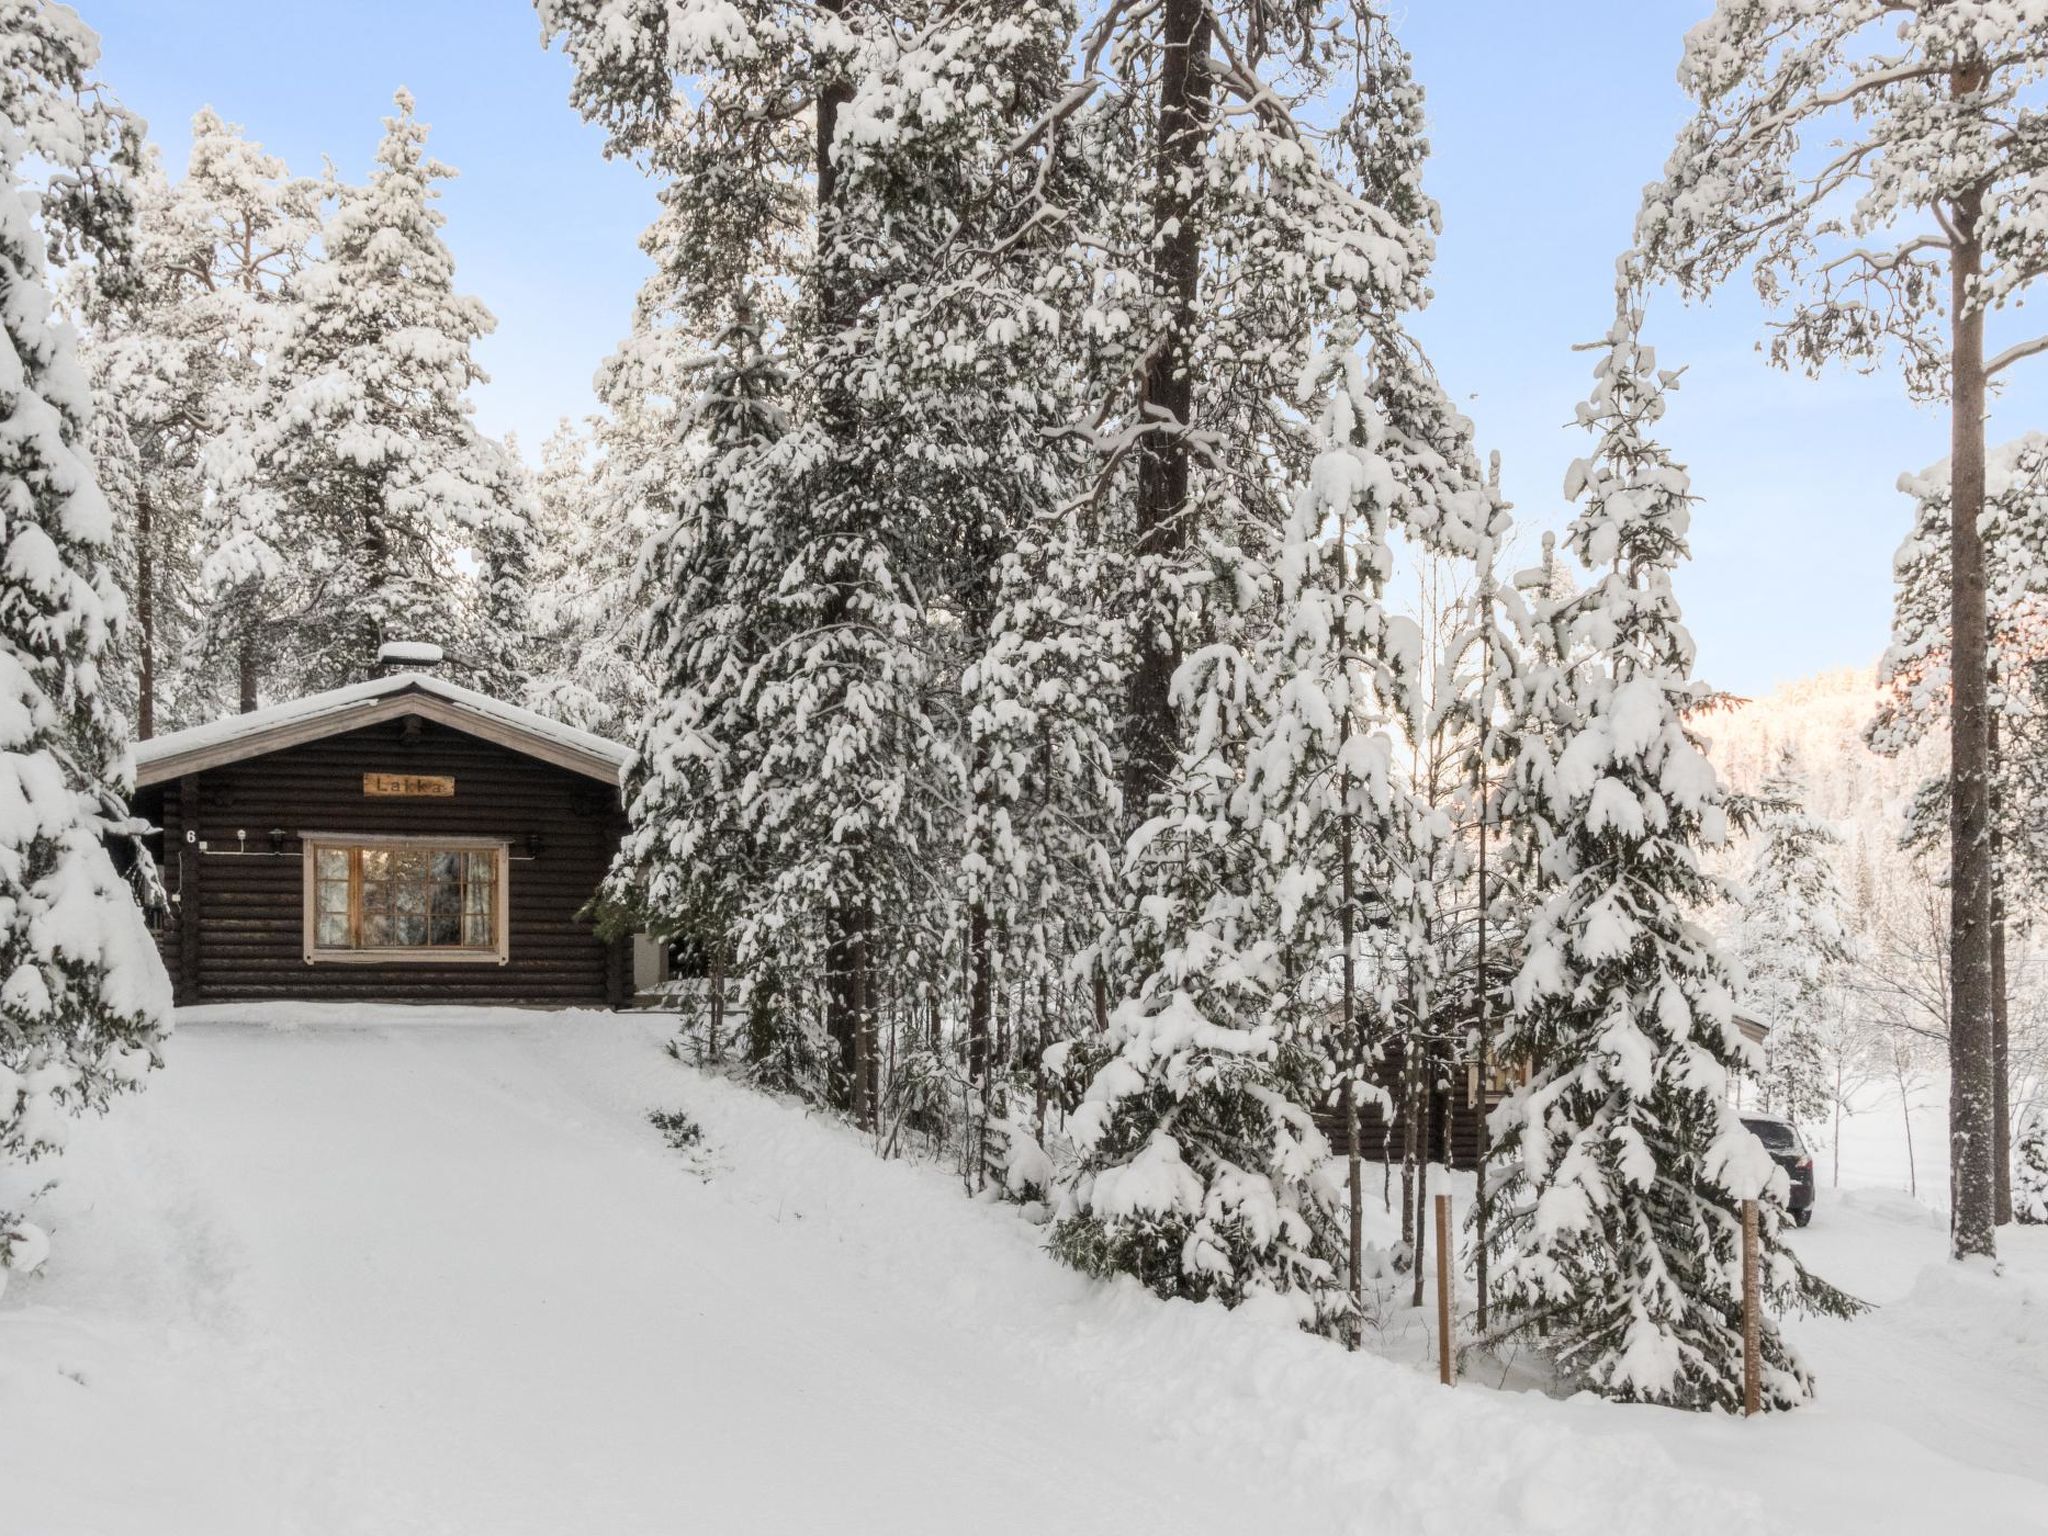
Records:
x=408, y=786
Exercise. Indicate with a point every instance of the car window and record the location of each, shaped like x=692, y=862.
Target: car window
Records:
x=1774, y=1134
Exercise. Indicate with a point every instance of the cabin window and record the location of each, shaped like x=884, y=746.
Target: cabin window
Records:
x=404, y=899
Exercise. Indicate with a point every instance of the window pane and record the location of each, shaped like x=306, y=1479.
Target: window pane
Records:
x=409, y=928
x=476, y=898
x=376, y=930
x=476, y=930
x=447, y=866
x=332, y=896
x=408, y=864
x=445, y=928
x=483, y=868
x=332, y=930
x=376, y=863
x=409, y=896
x=331, y=863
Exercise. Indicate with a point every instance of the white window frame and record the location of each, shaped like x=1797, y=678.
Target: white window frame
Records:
x=500, y=951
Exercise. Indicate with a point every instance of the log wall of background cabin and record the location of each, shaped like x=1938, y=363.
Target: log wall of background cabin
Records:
x=249, y=942
x=1453, y=1125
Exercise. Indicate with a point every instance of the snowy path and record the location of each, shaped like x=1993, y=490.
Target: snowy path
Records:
x=439, y=1275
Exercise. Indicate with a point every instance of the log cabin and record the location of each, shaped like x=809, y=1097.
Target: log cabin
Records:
x=404, y=839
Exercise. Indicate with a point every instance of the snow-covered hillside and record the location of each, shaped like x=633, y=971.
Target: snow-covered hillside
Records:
x=392, y=1272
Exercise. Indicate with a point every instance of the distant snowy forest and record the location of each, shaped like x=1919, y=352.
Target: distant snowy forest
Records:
x=1087, y=722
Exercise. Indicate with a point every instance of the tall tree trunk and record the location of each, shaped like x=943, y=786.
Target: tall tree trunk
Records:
x=846, y=954
x=2001, y=1000
x=1354, y=1042
x=247, y=670
x=1485, y=1053
x=980, y=991
x=715, y=1044
x=2001, y=1068
x=145, y=614
x=1972, y=1096
x=1167, y=391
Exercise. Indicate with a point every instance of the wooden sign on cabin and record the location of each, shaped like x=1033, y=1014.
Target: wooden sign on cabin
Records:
x=408, y=786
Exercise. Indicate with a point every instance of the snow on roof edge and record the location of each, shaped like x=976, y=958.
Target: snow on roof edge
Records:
x=344, y=701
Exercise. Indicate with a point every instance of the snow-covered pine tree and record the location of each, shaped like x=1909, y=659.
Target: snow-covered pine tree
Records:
x=957, y=365
x=143, y=445
x=1914, y=679
x=364, y=462
x=177, y=357
x=1248, y=893
x=830, y=706
x=1250, y=896
x=1793, y=941
x=1862, y=160
x=1621, y=1229
x=1218, y=191
x=689, y=863
x=84, y=1002
x=497, y=644
x=914, y=373
x=1042, y=825
x=587, y=543
x=2030, y=1181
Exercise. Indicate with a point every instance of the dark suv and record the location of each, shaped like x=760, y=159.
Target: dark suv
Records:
x=1781, y=1140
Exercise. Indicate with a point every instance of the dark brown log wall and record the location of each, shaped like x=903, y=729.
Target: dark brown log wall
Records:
x=248, y=942
x=1453, y=1118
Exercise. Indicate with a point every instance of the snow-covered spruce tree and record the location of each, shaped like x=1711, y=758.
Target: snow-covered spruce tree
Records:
x=889, y=495
x=821, y=726
x=1247, y=891
x=1793, y=941
x=1224, y=206
x=1042, y=825
x=689, y=863
x=1250, y=895
x=364, y=474
x=144, y=445
x=957, y=366
x=1914, y=682
x=2030, y=1179
x=586, y=545
x=496, y=643
x=178, y=359
x=1621, y=1233
x=84, y=1002
x=1879, y=169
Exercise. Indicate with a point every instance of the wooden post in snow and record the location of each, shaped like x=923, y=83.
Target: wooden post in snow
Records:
x=1752, y=1337
x=1443, y=1288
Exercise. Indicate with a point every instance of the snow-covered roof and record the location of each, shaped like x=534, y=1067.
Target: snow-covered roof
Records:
x=321, y=715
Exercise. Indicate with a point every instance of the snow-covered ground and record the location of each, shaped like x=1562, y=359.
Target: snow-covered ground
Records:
x=384, y=1271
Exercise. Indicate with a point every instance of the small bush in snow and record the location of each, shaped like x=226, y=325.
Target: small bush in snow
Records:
x=1199, y=1176
x=677, y=1128
x=2030, y=1182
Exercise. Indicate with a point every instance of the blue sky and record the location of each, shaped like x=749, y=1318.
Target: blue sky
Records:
x=1545, y=120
